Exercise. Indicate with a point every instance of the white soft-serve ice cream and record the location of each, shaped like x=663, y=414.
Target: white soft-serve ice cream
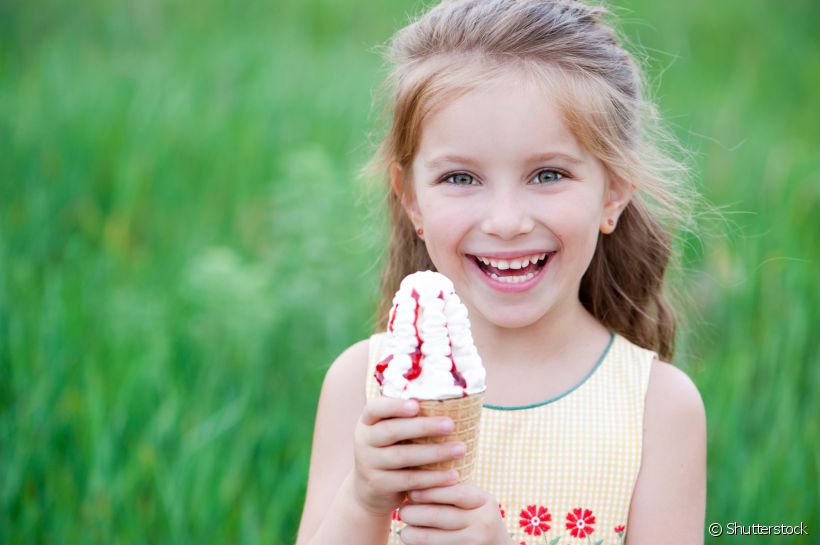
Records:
x=429, y=351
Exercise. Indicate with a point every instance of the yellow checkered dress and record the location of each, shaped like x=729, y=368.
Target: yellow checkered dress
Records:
x=563, y=470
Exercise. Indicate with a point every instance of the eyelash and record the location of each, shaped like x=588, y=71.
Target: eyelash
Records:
x=559, y=172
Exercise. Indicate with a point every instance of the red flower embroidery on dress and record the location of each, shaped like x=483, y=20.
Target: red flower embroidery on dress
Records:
x=534, y=520
x=502, y=510
x=619, y=529
x=579, y=522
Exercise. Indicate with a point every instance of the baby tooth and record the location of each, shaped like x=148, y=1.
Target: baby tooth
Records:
x=503, y=265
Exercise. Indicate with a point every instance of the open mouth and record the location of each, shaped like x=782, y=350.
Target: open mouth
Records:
x=512, y=271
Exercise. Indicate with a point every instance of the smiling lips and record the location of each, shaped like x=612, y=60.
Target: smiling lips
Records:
x=512, y=271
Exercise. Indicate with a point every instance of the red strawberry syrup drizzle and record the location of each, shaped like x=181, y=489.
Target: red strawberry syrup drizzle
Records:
x=415, y=357
x=392, y=318
x=458, y=378
x=381, y=366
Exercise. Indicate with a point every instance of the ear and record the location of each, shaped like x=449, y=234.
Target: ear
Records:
x=618, y=194
x=405, y=194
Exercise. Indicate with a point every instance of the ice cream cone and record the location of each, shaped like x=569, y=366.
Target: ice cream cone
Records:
x=466, y=415
x=430, y=356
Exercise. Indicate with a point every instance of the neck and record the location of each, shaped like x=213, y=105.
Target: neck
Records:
x=549, y=341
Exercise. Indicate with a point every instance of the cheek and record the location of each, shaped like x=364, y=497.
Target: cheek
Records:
x=442, y=232
x=445, y=227
x=572, y=222
x=443, y=218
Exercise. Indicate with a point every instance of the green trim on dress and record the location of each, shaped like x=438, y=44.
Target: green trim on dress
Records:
x=559, y=396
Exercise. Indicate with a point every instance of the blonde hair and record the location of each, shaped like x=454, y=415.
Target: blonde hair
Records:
x=567, y=47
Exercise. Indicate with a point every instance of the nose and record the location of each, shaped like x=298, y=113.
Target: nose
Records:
x=507, y=214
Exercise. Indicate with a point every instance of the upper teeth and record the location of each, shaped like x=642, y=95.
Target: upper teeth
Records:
x=519, y=263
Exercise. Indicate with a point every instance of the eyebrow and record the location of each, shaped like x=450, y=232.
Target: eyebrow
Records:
x=537, y=158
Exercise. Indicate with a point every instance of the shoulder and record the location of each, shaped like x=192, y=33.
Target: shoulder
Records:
x=349, y=369
x=672, y=398
x=669, y=499
x=343, y=396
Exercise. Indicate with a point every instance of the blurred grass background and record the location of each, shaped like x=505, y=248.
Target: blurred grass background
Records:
x=183, y=251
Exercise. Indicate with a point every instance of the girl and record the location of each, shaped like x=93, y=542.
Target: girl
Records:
x=520, y=165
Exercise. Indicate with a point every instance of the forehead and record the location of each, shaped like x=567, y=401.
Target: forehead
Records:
x=504, y=118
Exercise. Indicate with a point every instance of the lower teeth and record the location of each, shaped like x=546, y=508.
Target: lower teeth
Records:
x=512, y=279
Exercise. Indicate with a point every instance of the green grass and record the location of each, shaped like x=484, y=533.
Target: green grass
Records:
x=183, y=251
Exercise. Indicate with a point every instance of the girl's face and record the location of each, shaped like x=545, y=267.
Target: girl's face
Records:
x=499, y=176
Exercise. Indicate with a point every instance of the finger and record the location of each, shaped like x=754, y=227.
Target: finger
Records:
x=402, y=480
x=389, y=432
x=403, y=456
x=380, y=408
x=414, y=535
x=443, y=517
x=464, y=496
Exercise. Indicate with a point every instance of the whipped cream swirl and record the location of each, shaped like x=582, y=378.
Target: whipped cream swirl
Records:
x=429, y=351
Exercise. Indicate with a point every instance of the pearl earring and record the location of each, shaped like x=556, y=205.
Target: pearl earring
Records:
x=419, y=231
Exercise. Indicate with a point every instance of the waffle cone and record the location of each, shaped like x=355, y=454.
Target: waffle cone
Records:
x=466, y=415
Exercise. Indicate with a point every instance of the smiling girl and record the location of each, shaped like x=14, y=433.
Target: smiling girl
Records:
x=520, y=164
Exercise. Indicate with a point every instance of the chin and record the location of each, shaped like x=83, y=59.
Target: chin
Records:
x=513, y=320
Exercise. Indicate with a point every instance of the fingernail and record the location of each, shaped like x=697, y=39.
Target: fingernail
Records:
x=410, y=406
x=459, y=450
x=446, y=425
x=453, y=477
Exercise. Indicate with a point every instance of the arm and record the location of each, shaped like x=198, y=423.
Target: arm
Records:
x=669, y=500
x=361, y=466
x=330, y=515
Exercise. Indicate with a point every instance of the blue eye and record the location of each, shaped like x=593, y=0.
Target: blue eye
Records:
x=459, y=178
x=548, y=176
